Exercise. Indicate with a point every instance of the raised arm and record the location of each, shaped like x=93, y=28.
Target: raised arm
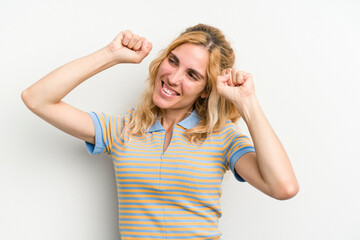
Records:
x=269, y=169
x=44, y=97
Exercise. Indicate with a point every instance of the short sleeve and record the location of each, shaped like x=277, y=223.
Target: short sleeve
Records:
x=235, y=146
x=108, y=131
x=99, y=145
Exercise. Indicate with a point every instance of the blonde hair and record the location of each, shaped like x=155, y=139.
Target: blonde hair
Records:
x=214, y=110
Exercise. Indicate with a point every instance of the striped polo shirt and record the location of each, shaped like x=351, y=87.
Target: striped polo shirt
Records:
x=172, y=194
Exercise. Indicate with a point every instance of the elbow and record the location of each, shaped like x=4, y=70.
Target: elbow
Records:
x=29, y=99
x=287, y=191
x=26, y=98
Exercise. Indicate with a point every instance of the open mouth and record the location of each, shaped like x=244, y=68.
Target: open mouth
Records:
x=168, y=90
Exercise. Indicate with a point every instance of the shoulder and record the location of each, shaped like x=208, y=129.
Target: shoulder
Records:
x=231, y=132
x=128, y=115
x=229, y=127
x=113, y=119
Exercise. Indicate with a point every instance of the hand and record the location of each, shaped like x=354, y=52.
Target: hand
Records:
x=128, y=47
x=235, y=85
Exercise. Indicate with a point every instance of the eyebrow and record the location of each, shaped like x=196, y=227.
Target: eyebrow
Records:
x=176, y=59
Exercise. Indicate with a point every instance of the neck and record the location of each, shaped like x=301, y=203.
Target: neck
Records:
x=172, y=117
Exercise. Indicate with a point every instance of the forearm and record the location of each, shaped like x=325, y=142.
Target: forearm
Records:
x=57, y=84
x=273, y=162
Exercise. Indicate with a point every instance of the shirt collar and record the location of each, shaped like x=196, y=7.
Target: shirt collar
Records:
x=156, y=127
x=191, y=121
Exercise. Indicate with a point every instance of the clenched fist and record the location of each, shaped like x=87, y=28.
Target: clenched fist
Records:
x=235, y=85
x=128, y=47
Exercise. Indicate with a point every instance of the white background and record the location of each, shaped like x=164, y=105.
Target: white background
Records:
x=305, y=58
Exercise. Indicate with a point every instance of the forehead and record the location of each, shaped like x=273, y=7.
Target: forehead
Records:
x=192, y=56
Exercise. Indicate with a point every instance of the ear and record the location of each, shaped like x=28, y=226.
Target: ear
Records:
x=204, y=94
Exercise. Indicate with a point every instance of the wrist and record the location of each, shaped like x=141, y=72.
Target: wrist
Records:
x=248, y=108
x=109, y=56
x=102, y=59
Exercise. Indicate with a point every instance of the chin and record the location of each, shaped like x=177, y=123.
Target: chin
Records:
x=158, y=102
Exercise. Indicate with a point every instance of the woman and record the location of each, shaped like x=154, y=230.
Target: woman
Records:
x=171, y=152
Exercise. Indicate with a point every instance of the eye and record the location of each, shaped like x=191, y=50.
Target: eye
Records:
x=171, y=61
x=192, y=76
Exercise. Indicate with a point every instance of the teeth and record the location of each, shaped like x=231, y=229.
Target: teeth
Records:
x=168, y=91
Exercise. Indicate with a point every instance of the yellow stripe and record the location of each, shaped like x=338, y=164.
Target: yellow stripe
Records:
x=156, y=162
x=167, y=234
x=168, y=192
x=160, y=212
x=158, y=158
x=168, y=223
x=188, y=204
x=170, y=227
x=161, y=218
x=181, y=165
x=187, y=238
x=168, y=188
x=202, y=152
x=164, y=196
x=197, y=209
x=175, y=181
x=120, y=174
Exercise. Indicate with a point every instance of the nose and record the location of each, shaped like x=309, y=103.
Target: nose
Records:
x=175, y=78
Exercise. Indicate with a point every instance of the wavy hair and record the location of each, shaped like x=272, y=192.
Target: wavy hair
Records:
x=214, y=110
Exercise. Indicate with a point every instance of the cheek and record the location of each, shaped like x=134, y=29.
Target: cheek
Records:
x=164, y=68
x=194, y=88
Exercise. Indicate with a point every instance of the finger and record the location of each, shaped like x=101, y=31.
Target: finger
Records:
x=127, y=35
x=138, y=44
x=240, y=78
x=222, y=79
x=247, y=76
x=225, y=71
x=133, y=41
x=233, y=76
x=119, y=37
x=145, y=49
x=225, y=77
x=236, y=77
x=230, y=73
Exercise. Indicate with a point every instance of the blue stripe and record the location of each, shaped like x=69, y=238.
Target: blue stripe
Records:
x=129, y=163
x=161, y=237
x=153, y=225
x=191, y=234
x=172, y=220
x=166, y=179
x=161, y=199
x=161, y=231
x=161, y=215
x=161, y=195
x=144, y=159
x=188, y=172
x=175, y=185
x=199, y=213
x=162, y=204
x=172, y=190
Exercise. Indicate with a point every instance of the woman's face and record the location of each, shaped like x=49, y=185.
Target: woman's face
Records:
x=181, y=78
